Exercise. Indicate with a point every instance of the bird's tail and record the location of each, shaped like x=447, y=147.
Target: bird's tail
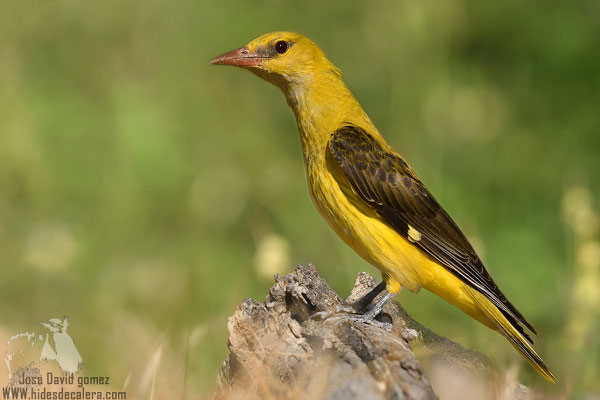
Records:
x=515, y=338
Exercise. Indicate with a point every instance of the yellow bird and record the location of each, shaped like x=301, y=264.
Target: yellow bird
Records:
x=371, y=197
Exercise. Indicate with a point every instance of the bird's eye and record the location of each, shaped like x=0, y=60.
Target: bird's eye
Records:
x=281, y=46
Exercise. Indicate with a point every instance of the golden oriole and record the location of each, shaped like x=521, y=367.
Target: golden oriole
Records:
x=371, y=197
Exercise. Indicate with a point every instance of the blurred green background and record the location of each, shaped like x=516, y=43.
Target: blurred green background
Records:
x=144, y=193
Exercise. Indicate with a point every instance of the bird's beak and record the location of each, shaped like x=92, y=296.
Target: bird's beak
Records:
x=241, y=57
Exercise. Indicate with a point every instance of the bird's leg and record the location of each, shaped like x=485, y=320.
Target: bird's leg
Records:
x=369, y=316
x=352, y=308
x=376, y=309
x=364, y=302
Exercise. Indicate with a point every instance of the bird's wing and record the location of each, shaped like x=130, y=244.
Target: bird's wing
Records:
x=387, y=184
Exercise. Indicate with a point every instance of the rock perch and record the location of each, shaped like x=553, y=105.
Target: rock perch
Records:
x=282, y=349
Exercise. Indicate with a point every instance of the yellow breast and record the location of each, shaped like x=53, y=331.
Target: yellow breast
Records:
x=400, y=262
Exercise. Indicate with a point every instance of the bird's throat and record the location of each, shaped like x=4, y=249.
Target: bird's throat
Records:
x=321, y=104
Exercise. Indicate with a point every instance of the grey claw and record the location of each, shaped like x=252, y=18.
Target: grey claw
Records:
x=349, y=312
x=366, y=320
x=338, y=311
x=383, y=325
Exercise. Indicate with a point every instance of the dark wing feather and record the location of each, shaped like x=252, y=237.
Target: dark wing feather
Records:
x=385, y=182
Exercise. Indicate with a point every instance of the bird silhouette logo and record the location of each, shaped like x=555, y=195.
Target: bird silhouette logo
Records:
x=25, y=351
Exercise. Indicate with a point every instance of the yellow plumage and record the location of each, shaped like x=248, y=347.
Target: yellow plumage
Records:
x=322, y=105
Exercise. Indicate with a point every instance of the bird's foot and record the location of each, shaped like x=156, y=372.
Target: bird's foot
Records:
x=341, y=310
x=349, y=312
x=371, y=321
x=369, y=316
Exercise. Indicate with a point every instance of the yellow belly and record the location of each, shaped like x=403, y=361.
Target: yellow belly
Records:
x=401, y=263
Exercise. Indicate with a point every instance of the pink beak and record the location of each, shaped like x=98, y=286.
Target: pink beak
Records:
x=241, y=57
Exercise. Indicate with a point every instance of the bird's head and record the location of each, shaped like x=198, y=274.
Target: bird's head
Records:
x=282, y=58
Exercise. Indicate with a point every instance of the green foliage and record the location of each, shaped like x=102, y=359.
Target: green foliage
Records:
x=138, y=183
